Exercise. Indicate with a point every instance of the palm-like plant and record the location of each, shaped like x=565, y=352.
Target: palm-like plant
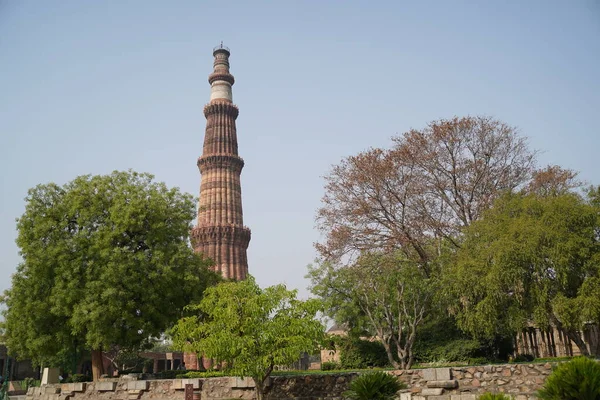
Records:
x=578, y=379
x=374, y=386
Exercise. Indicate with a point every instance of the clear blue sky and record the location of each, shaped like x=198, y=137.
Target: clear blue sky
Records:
x=87, y=87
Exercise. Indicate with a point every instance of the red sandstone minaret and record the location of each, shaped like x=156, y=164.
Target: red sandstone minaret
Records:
x=220, y=233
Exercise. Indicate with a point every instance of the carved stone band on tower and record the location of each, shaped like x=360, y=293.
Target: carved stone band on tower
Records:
x=220, y=233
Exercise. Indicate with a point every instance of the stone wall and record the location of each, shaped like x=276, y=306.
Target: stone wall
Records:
x=462, y=383
x=521, y=381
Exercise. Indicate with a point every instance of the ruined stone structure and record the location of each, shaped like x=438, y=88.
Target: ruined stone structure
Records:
x=220, y=233
x=553, y=342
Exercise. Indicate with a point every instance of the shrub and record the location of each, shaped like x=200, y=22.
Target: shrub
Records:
x=478, y=361
x=357, y=353
x=439, y=339
x=329, y=366
x=524, y=358
x=199, y=374
x=494, y=396
x=168, y=374
x=30, y=382
x=578, y=379
x=374, y=386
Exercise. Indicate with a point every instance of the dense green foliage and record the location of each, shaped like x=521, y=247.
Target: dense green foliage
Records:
x=251, y=329
x=530, y=258
x=357, y=353
x=494, y=396
x=376, y=385
x=330, y=366
x=578, y=379
x=106, y=261
x=439, y=340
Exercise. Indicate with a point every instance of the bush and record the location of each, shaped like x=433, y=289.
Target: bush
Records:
x=168, y=374
x=578, y=379
x=439, y=339
x=374, y=386
x=30, y=382
x=199, y=374
x=358, y=354
x=329, y=366
x=478, y=361
x=524, y=358
x=494, y=396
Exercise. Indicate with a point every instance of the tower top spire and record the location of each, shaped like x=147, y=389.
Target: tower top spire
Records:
x=221, y=49
x=221, y=80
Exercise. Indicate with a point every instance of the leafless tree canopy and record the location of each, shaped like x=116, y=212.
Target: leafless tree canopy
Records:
x=553, y=180
x=427, y=187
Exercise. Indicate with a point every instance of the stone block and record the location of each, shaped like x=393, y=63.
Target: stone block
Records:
x=72, y=387
x=15, y=386
x=468, y=397
x=50, y=390
x=134, y=394
x=419, y=398
x=449, y=384
x=138, y=385
x=432, y=391
x=442, y=374
x=439, y=397
x=237, y=382
x=429, y=374
x=34, y=391
x=106, y=386
x=179, y=384
x=405, y=396
x=50, y=375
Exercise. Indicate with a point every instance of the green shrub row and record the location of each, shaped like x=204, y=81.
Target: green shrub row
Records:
x=189, y=374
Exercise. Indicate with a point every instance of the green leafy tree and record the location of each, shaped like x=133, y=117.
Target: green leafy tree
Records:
x=385, y=296
x=249, y=329
x=531, y=258
x=106, y=261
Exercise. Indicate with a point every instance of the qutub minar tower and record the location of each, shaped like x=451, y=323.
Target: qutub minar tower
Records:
x=220, y=233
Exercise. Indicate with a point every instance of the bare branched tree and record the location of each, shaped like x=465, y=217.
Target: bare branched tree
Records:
x=553, y=180
x=427, y=187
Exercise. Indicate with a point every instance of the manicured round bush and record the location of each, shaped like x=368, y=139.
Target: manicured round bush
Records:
x=374, y=386
x=578, y=379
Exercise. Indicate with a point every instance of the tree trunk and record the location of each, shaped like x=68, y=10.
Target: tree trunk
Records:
x=97, y=365
x=576, y=338
x=259, y=389
x=390, y=355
